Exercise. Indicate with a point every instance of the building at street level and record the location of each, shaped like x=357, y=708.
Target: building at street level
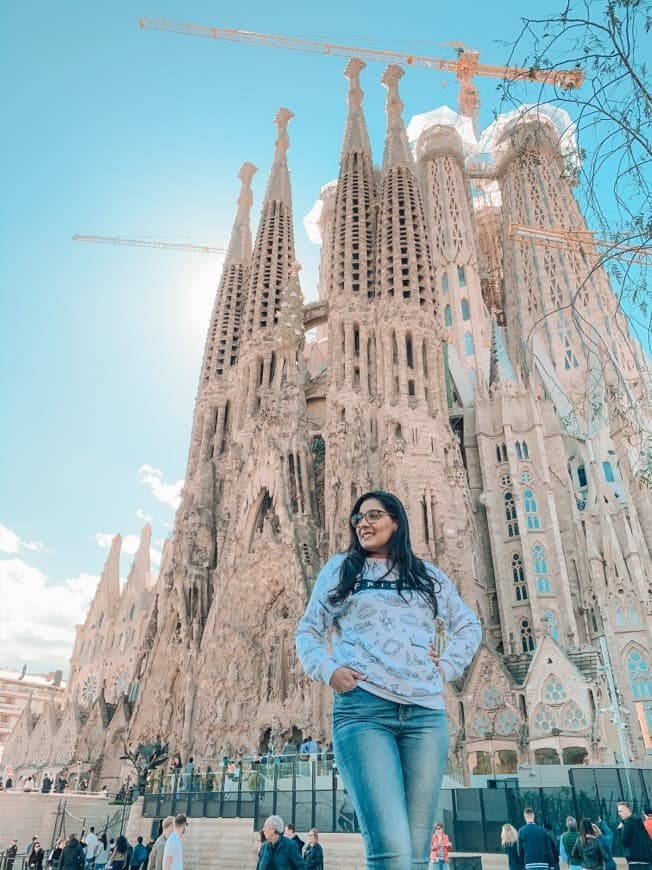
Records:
x=458, y=358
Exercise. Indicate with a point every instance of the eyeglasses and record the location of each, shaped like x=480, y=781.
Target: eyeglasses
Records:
x=371, y=517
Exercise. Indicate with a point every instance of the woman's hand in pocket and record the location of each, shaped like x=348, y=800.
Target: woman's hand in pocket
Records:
x=345, y=679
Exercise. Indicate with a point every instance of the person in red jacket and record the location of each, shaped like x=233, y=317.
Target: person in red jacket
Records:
x=440, y=848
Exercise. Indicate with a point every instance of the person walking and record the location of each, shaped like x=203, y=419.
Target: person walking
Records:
x=440, y=847
x=567, y=841
x=509, y=845
x=55, y=855
x=91, y=843
x=390, y=730
x=173, y=851
x=156, y=855
x=278, y=852
x=139, y=855
x=36, y=858
x=589, y=848
x=72, y=855
x=101, y=852
x=119, y=854
x=10, y=854
x=534, y=845
x=313, y=854
x=291, y=834
x=635, y=838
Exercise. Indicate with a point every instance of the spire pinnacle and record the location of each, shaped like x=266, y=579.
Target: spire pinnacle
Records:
x=240, y=245
x=279, y=180
x=290, y=329
x=356, y=137
x=501, y=370
x=397, y=146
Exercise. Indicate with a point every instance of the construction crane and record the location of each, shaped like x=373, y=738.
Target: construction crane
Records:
x=579, y=241
x=465, y=67
x=151, y=243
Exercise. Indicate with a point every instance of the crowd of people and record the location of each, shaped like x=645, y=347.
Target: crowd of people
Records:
x=91, y=851
x=48, y=785
x=281, y=848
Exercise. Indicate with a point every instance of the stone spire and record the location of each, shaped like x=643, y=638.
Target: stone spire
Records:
x=108, y=589
x=350, y=272
x=139, y=574
x=356, y=136
x=239, y=250
x=278, y=186
x=274, y=248
x=501, y=370
x=223, y=336
x=290, y=330
x=397, y=147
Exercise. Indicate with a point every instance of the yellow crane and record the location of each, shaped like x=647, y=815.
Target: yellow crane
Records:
x=151, y=243
x=466, y=66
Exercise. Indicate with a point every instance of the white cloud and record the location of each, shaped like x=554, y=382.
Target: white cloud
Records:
x=155, y=556
x=145, y=518
x=38, y=617
x=102, y=539
x=11, y=543
x=168, y=493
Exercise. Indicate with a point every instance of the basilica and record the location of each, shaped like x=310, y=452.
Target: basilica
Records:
x=467, y=353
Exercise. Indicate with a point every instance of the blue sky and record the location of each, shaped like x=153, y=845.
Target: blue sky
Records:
x=110, y=129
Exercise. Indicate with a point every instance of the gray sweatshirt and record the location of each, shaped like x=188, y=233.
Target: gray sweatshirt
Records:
x=384, y=636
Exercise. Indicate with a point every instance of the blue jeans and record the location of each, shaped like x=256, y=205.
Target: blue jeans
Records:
x=392, y=759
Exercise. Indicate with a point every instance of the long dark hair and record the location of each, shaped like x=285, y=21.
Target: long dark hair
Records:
x=412, y=573
x=586, y=830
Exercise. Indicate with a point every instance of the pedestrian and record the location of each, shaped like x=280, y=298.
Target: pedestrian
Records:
x=590, y=849
x=36, y=857
x=278, y=852
x=10, y=854
x=606, y=835
x=156, y=855
x=9, y=783
x=72, y=855
x=635, y=838
x=30, y=846
x=139, y=855
x=61, y=784
x=91, y=843
x=313, y=854
x=101, y=852
x=28, y=784
x=104, y=791
x=647, y=820
x=291, y=834
x=509, y=845
x=440, y=847
x=55, y=855
x=390, y=729
x=534, y=845
x=173, y=851
x=547, y=827
x=119, y=854
x=46, y=784
x=567, y=841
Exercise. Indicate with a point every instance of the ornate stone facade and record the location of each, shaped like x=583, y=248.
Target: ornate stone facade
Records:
x=490, y=382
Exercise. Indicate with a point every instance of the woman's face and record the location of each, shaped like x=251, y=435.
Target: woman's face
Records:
x=312, y=839
x=375, y=536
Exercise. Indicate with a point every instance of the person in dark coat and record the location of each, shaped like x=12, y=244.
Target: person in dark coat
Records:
x=547, y=827
x=313, y=854
x=534, y=845
x=590, y=849
x=73, y=856
x=277, y=852
x=636, y=840
x=10, y=854
x=291, y=834
x=36, y=857
x=509, y=845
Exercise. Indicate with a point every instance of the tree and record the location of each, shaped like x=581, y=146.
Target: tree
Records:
x=612, y=111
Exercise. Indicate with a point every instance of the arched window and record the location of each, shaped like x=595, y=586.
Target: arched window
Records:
x=466, y=314
x=519, y=453
x=638, y=672
x=581, y=476
x=531, y=512
x=468, y=344
x=608, y=472
x=526, y=452
x=553, y=626
x=444, y=282
x=461, y=277
x=510, y=515
x=448, y=316
x=541, y=570
x=527, y=637
x=518, y=576
x=498, y=452
x=503, y=450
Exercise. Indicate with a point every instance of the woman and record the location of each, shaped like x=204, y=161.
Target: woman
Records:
x=509, y=845
x=390, y=731
x=440, y=848
x=589, y=848
x=36, y=857
x=118, y=857
x=101, y=852
x=55, y=854
x=313, y=854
